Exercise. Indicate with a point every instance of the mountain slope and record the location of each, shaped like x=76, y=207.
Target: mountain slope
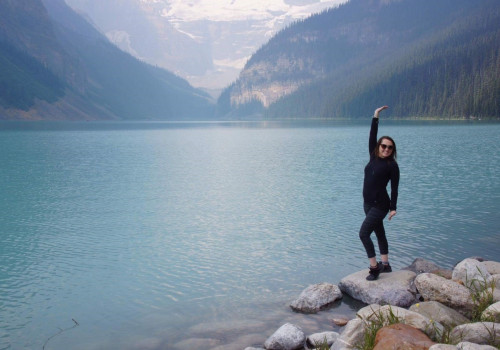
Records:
x=90, y=78
x=343, y=61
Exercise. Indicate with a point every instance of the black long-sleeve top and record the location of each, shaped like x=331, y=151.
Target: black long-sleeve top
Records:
x=378, y=172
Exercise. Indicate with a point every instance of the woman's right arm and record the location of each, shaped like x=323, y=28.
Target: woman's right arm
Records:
x=372, y=143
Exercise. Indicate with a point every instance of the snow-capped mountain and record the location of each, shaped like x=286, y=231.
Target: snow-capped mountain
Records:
x=205, y=41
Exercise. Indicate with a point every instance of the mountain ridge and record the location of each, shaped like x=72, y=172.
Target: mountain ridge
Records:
x=307, y=69
x=99, y=81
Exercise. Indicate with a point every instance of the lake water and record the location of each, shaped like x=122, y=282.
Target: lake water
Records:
x=198, y=235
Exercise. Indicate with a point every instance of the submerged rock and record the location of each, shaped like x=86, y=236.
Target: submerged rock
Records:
x=316, y=297
x=390, y=288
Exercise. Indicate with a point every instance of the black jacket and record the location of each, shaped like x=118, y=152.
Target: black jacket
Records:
x=378, y=172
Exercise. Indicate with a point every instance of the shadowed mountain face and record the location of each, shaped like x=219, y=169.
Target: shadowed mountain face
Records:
x=55, y=65
x=424, y=58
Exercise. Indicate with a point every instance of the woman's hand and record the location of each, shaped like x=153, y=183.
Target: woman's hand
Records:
x=391, y=214
x=378, y=110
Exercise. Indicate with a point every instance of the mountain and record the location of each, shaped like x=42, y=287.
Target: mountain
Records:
x=424, y=58
x=55, y=65
x=204, y=41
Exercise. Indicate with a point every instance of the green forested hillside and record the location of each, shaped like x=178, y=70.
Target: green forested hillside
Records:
x=55, y=65
x=23, y=79
x=423, y=58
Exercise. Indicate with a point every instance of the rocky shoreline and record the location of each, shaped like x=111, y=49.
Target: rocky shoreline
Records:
x=419, y=307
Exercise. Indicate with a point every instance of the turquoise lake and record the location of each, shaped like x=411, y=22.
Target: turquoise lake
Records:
x=199, y=235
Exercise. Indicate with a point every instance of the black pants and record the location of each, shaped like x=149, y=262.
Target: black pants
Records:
x=373, y=222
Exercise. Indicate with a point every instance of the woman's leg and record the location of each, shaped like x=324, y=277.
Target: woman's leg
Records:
x=373, y=222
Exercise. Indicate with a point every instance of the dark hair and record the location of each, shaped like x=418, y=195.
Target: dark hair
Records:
x=394, y=153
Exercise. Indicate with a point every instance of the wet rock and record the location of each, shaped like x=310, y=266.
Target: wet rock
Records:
x=390, y=288
x=401, y=337
x=441, y=313
x=447, y=292
x=341, y=322
x=316, y=297
x=287, y=337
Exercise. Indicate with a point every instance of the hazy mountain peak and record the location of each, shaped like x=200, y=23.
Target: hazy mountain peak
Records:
x=204, y=41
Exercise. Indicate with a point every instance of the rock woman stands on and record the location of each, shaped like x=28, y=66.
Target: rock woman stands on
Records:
x=381, y=169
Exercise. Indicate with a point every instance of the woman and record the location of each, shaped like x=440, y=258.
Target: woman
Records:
x=381, y=169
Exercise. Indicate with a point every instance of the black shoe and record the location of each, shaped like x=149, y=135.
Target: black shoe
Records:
x=386, y=267
x=374, y=272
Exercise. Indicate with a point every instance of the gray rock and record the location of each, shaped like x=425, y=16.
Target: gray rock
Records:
x=411, y=318
x=496, y=295
x=390, y=288
x=471, y=346
x=480, y=333
x=447, y=292
x=441, y=313
x=492, y=313
x=472, y=273
x=319, y=338
x=443, y=347
x=496, y=279
x=316, y=297
x=252, y=348
x=493, y=267
x=351, y=336
x=287, y=337
x=420, y=265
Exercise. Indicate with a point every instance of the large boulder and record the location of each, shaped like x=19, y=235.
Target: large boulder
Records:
x=441, y=313
x=287, y=337
x=403, y=337
x=487, y=333
x=452, y=294
x=384, y=313
x=390, y=288
x=316, y=297
x=351, y=337
x=472, y=273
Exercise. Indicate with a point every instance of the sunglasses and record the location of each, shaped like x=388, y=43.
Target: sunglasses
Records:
x=384, y=146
